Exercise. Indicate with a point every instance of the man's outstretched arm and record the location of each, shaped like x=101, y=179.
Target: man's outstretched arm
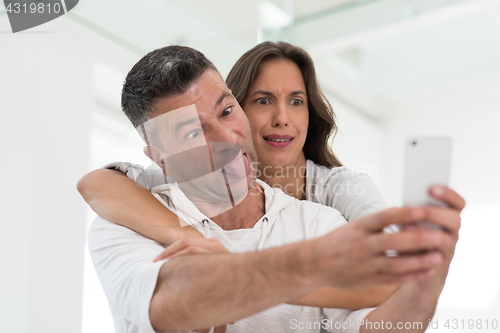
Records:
x=329, y=297
x=205, y=290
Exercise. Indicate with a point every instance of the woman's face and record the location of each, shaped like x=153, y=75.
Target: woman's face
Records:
x=276, y=105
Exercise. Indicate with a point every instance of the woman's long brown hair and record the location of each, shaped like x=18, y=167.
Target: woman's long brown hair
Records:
x=321, y=116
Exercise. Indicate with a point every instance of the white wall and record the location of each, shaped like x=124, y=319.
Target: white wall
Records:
x=359, y=141
x=46, y=102
x=473, y=285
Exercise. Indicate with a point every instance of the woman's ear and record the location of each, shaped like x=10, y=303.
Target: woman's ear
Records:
x=158, y=156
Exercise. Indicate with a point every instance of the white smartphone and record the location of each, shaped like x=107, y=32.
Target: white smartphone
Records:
x=427, y=165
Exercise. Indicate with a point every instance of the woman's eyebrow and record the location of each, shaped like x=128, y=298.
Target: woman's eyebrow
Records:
x=268, y=93
x=297, y=92
x=262, y=92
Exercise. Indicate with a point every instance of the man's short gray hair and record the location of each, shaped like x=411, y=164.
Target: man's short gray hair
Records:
x=164, y=72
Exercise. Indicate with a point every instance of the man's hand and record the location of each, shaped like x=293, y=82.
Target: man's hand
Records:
x=416, y=301
x=449, y=219
x=354, y=256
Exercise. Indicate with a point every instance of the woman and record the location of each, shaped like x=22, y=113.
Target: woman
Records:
x=291, y=123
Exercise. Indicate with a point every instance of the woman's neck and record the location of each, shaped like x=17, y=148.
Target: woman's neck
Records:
x=290, y=179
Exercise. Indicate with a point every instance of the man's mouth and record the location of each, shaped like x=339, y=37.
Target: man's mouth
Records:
x=239, y=167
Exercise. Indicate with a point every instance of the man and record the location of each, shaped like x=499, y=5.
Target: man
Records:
x=284, y=248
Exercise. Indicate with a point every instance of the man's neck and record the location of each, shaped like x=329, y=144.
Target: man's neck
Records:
x=246, y=213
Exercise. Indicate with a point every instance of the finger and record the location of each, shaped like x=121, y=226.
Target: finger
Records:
x=175, y=247
x=183, y=244
x=216, y=245
x=208, y=244
x=408, y=264
x=408, y=227
x=405, y=278
x=447, y=218
x=203, y=330
x=220, y=329
x=161, y=256
x=378, y=221
x=407, y=241
x=448, y=196
x=447, y=243
x=189, y=250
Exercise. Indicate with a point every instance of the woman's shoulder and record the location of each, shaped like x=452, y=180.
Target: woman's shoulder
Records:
x=317, y=173
x=352, y=193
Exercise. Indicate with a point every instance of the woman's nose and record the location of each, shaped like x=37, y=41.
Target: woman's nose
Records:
x=281, y=115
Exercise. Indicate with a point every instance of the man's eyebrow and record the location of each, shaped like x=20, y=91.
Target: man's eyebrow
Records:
x=180, y=124
x=221, y=98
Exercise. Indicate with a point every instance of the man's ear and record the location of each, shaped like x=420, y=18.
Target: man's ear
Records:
x=158, y=156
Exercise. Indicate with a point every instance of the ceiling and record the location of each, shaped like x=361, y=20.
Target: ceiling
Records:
x=379, y=56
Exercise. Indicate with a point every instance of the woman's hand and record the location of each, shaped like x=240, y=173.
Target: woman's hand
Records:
x=186, y=246
x=218, y=329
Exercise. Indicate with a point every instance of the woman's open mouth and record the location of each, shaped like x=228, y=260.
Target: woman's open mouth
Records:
x=278, y=141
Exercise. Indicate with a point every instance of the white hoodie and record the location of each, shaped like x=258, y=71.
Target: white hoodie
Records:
x=287, y=220
x=129, y=277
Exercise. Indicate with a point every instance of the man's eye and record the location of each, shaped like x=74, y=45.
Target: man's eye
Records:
x=193, y=134
x=227, y=111
x=297, y=102
x=262, y=101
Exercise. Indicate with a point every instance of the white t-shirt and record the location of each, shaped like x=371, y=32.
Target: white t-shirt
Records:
x=123, y=261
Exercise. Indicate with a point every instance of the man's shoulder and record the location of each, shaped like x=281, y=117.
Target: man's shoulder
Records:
x=102, y=226
x=123, y=260
x=105, y=235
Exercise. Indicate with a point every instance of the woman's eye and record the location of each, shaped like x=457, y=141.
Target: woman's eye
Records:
x=193, y=134
x=263, y=101
x=227, y=111
x=297, y=102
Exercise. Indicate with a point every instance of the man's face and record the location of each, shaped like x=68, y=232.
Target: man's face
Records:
x=206, y=142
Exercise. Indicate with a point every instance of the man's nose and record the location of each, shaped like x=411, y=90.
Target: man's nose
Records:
x=222, y=146
x=280, y=115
